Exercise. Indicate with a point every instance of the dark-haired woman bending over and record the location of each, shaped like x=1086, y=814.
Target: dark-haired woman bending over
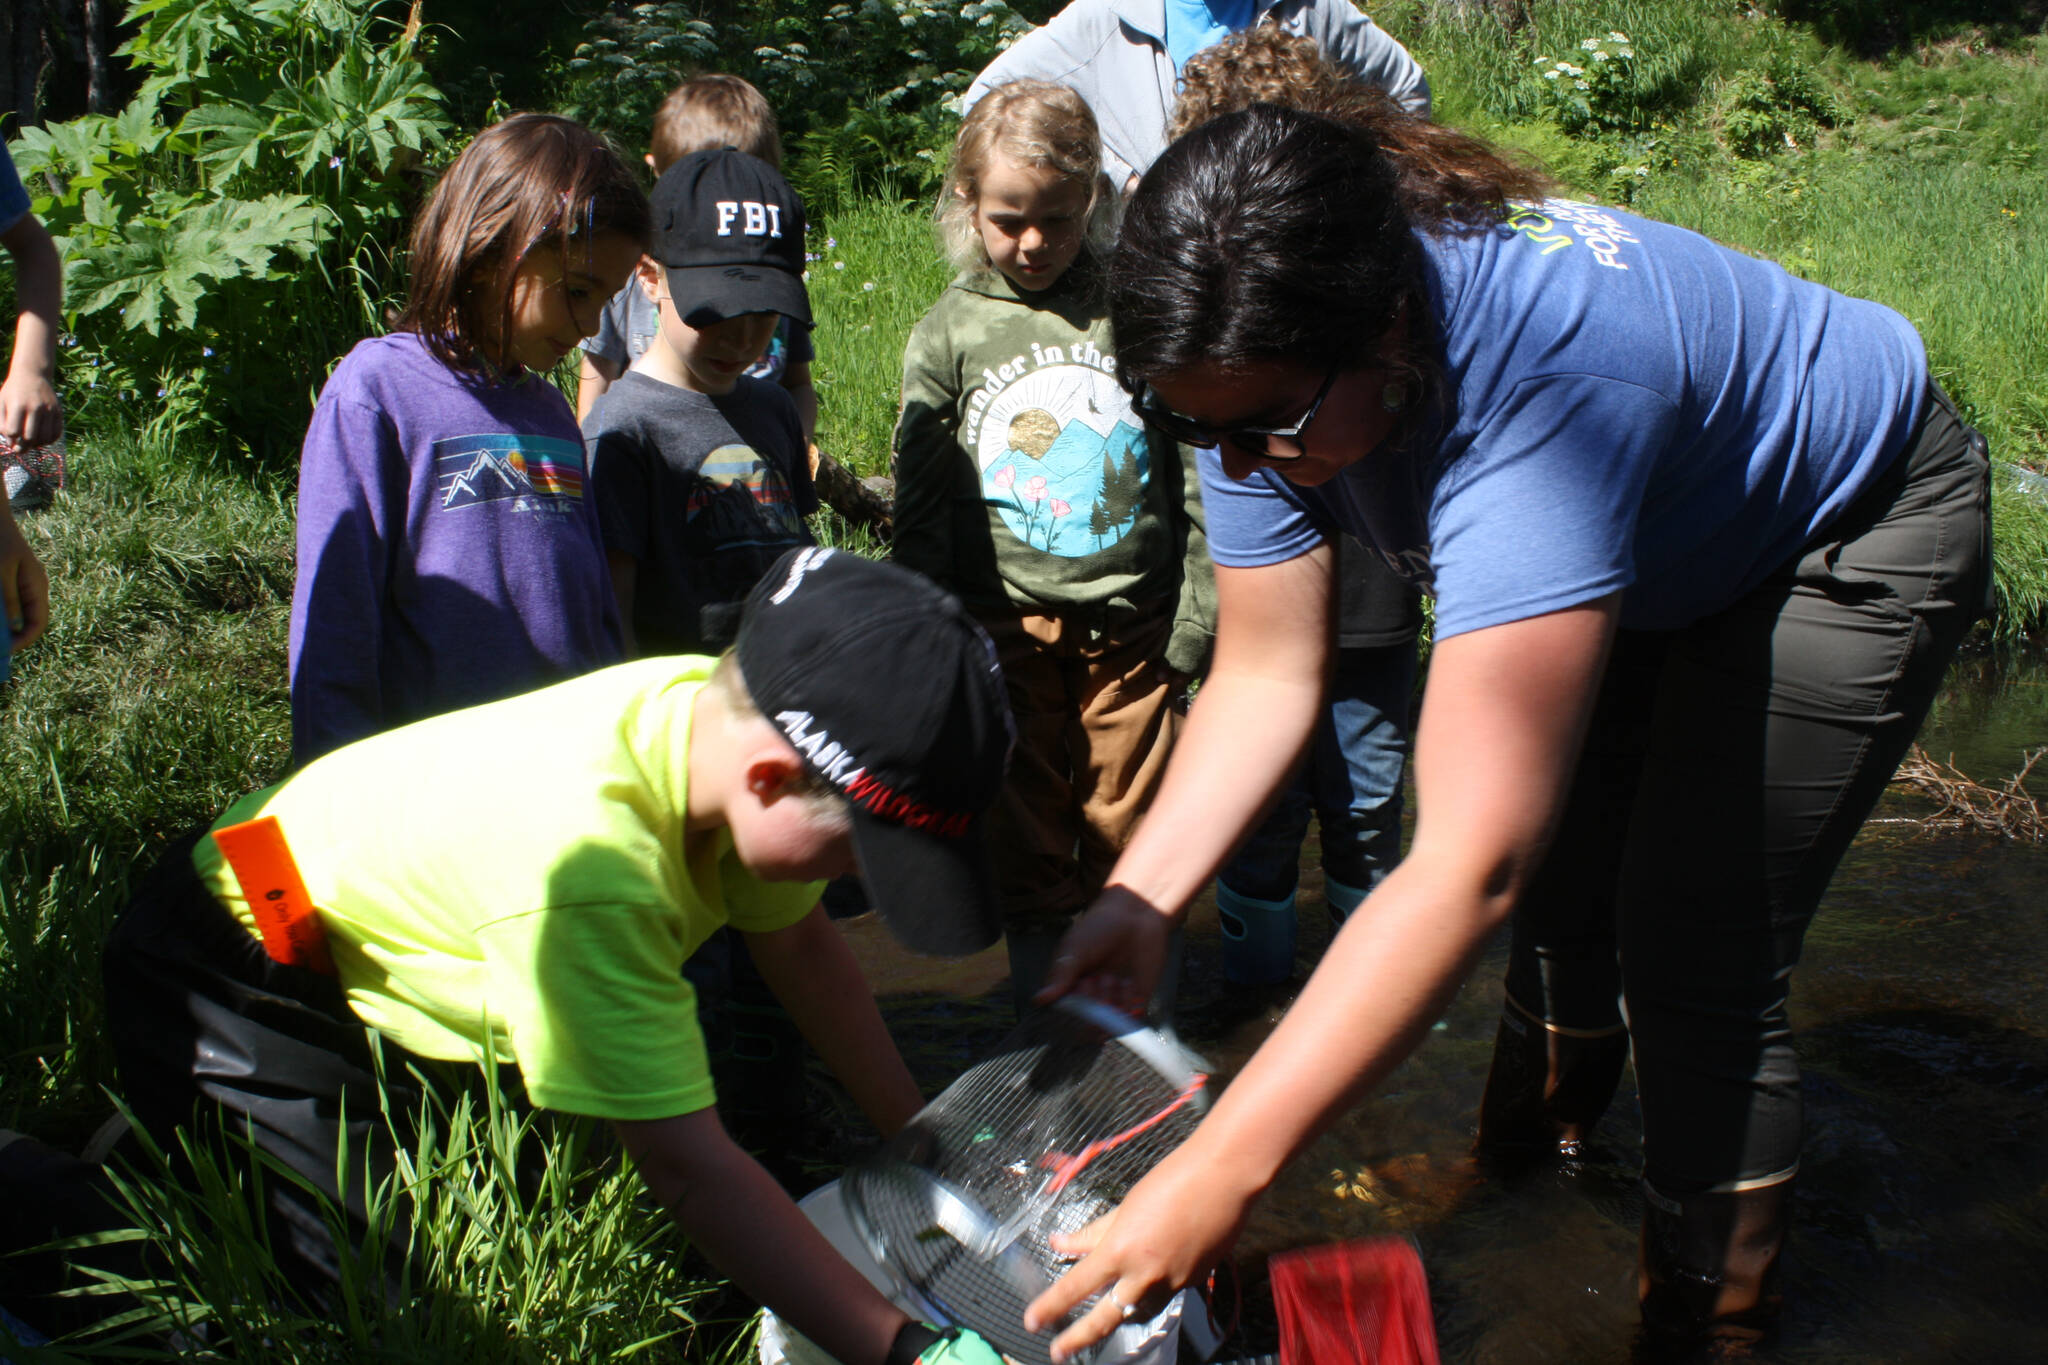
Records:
x=1703, y=538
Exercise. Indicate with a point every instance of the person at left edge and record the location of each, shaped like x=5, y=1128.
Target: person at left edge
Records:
x=30, y=412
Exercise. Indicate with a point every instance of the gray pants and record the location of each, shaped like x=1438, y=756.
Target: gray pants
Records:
x=1728, y=766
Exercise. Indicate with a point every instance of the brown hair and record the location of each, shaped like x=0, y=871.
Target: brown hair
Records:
x=531, y=180
x=709, y=112
x=1280, y=223
x=1442, y=175
x=1034, y=123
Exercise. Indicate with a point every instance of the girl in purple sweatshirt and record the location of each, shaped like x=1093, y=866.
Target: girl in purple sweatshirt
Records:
x=447, y=554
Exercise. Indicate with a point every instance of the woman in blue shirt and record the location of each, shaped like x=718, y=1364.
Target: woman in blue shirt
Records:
x=1703, y=538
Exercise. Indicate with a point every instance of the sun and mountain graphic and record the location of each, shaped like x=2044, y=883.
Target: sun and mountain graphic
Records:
x=1063, y=461
x=544, y=470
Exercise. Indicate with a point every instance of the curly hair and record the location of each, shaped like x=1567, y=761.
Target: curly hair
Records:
x=1033, y=123
x=533, y=180
x=1280, y=224
x=1443, y=175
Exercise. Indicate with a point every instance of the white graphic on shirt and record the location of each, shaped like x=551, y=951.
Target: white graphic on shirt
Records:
x=1062, y=457
x=1557, y=224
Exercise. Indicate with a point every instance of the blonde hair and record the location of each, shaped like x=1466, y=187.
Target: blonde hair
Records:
x=1033, y=123
x=709, y=112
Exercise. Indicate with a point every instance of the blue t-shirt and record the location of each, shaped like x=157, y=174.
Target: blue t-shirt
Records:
x=1192, y=25
x=13, y=198
x=1637, y=409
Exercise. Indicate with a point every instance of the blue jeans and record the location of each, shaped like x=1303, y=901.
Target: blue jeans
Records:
x=1350, y=780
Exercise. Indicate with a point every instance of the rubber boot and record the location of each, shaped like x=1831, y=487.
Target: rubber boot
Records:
x=1547, y=1089
x=1342, y=899
x=1258, y=937
x=1708, y=1277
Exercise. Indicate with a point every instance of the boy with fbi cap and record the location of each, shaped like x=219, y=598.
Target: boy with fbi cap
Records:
x=698, y=469
x=521, y=883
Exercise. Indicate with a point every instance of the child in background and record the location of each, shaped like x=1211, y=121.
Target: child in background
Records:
x=531, y=904
x=1350, y=778
x=30, y=413
x=705, y=114
x=697, y=468
x=700, y=115
x=447, y=552
x=699, y=477
x=1025, y=483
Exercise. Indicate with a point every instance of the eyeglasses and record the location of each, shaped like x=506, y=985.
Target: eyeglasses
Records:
x=1252, y=440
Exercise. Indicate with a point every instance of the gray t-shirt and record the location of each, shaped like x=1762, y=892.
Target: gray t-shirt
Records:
x=626, y=328
x=706, y=493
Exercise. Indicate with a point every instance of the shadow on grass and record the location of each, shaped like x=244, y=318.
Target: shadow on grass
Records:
x=1876, y=29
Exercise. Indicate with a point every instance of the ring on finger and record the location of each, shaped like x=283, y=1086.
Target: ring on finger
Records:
x=1124, y=1311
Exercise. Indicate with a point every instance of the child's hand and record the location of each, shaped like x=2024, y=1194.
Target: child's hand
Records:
x=957, y=1346
x=1115, y=952
x=30, y=412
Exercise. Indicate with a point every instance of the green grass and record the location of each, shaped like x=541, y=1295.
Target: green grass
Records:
x=878, y=270
x=526, y=1246
x=159, y=693
x=1927, y=194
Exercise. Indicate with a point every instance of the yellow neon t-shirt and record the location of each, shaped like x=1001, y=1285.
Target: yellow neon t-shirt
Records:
x=510, y=880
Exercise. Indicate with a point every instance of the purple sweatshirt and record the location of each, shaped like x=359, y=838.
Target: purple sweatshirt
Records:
x=447, y=553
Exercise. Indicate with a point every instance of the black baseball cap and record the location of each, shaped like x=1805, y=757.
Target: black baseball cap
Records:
x=891, y=692
x=731, y=232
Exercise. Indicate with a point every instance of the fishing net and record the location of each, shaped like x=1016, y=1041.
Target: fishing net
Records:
x=1041, y=1139
x=31, y=475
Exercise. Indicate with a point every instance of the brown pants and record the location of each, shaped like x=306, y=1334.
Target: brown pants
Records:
x=1094, y=726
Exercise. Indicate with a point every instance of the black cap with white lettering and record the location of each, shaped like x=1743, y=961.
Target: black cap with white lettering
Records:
x=731, y=232
x=892, y=694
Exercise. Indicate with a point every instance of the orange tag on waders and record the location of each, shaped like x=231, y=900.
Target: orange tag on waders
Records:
x=277, y=895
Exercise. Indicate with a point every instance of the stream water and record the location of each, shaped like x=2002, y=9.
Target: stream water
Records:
x=1921, y=1229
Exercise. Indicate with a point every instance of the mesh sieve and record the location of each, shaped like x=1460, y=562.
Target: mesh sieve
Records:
x=1043, y=1138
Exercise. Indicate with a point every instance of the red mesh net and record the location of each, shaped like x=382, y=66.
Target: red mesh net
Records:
x=1354, y=1303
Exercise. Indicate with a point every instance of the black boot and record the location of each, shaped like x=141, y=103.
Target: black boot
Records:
x=1547, y=1088
x=1709, y=1271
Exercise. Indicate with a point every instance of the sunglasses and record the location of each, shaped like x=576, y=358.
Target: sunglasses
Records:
x=1256, y=441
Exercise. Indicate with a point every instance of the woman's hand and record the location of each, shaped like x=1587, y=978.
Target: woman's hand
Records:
x=1114, y=953
x=1175, y=1224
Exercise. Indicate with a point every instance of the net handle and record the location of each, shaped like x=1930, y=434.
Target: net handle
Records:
x=1156, y=1048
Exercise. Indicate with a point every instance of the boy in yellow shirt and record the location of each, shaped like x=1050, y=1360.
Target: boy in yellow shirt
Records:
x=522, y=881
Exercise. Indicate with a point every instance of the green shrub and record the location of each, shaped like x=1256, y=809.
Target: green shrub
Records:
x=232, y=231
x=865, y=92
x=1598, y=88
x=1776, y=107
